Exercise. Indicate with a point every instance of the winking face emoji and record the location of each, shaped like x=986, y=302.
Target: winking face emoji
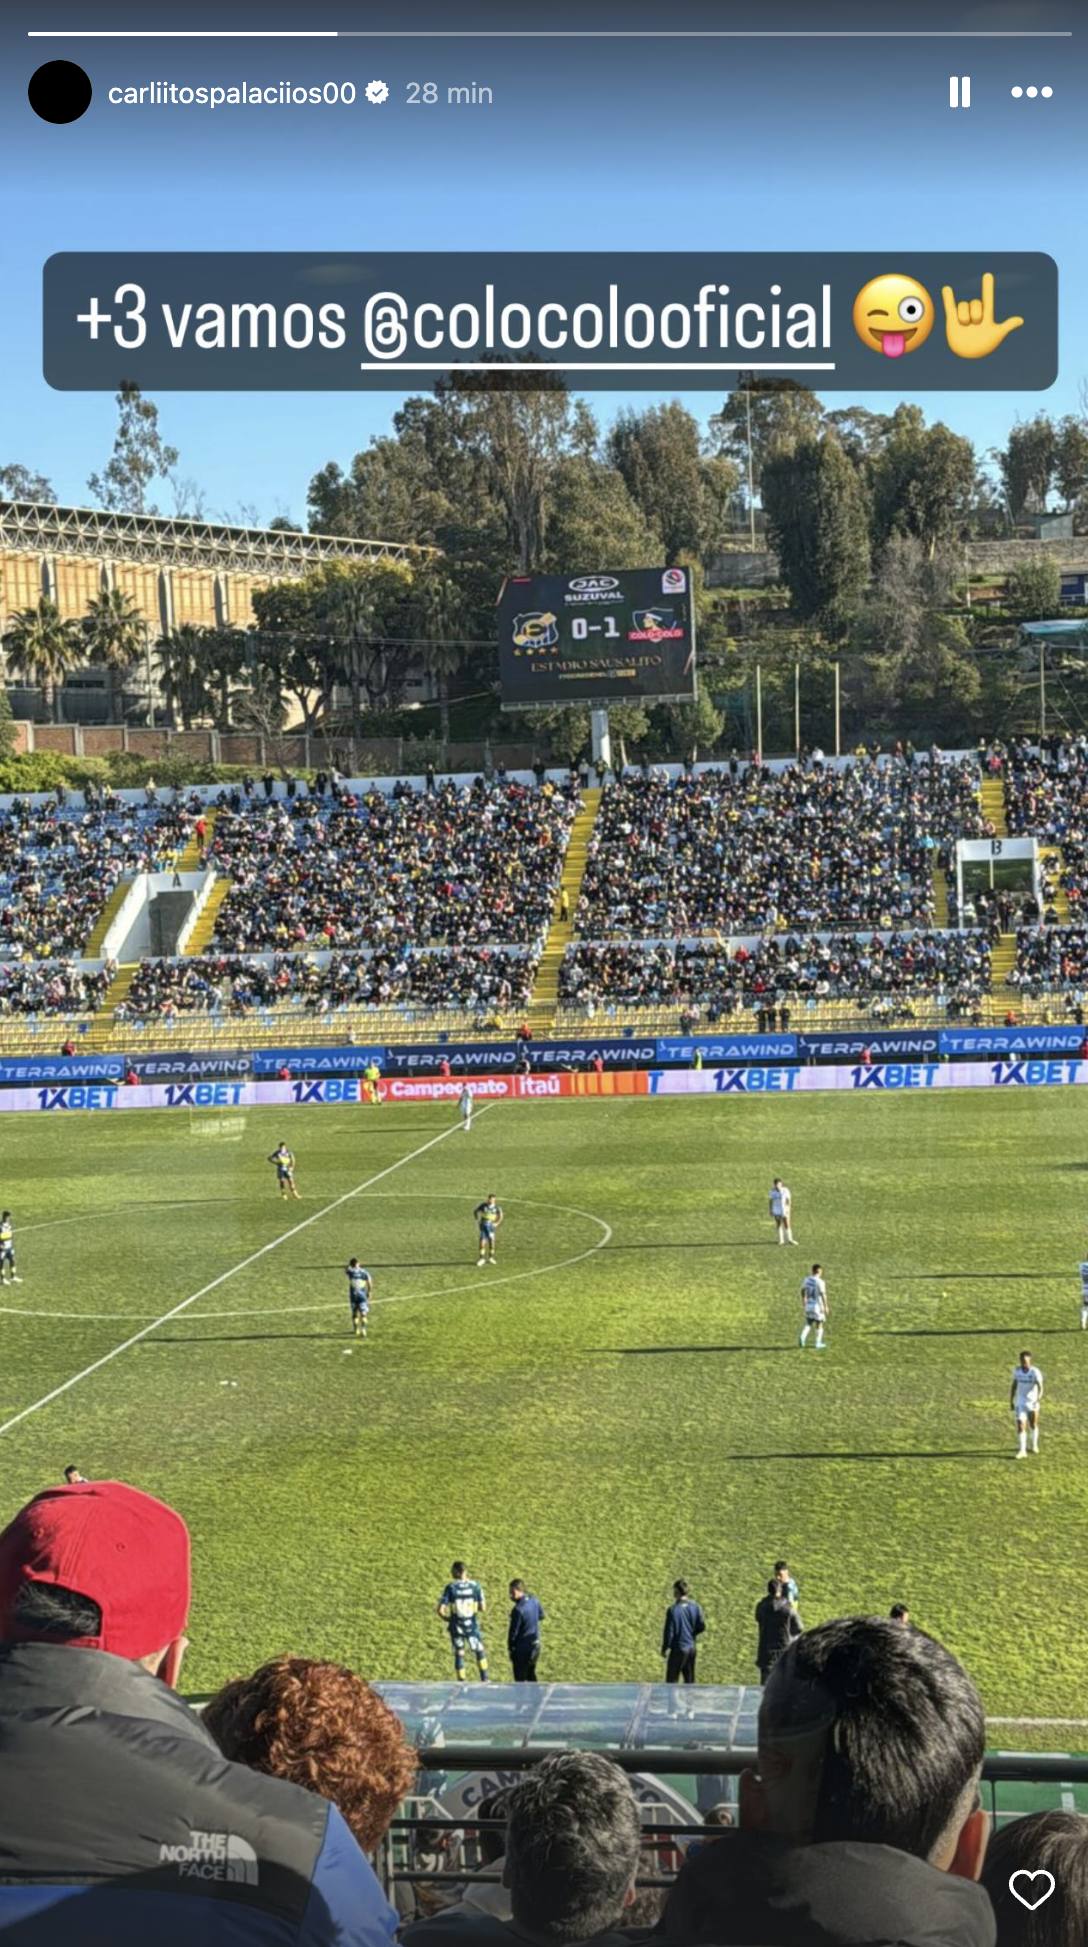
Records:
x=893, y=314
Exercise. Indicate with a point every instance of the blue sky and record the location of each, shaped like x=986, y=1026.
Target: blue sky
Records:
x=754, y=144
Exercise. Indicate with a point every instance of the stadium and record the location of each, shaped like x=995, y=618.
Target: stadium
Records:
x=584, y=989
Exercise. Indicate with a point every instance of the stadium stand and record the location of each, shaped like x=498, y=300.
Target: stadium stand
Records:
x=1051, y=960
x=223, y=985
x=950, y=970
x=462, y=865
x=1046, y=794
x=59, y=865
x=739, y=853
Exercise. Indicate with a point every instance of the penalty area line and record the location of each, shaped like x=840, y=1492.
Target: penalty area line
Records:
x=224, y=1277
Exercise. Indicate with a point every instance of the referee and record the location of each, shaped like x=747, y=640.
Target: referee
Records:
x=684, y=1624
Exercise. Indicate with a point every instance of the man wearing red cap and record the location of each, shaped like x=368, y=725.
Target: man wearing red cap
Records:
x=121, y=1821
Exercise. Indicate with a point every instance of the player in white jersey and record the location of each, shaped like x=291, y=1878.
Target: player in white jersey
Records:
x=816, y=1308
x=781, y=1208
x=464, y=1105
x=1025, y=1397
x=1084, y=1297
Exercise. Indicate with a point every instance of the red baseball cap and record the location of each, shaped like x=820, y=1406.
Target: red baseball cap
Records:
x=122, y=1549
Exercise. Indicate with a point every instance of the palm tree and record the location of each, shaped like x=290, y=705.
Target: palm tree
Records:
x=182, y=657
x=439, y=614
x=114, y=631
x=42, y=648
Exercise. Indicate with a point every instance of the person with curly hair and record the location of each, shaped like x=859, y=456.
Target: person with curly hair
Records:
x=322, y=1727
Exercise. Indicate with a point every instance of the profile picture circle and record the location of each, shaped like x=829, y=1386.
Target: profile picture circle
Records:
x=60, y=91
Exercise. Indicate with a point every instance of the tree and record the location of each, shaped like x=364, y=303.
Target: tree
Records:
x=780, y=413
x=657, y=453
x=436, y=616
x=183, y=668
x=520, y=436
x=817, y=518
x=115, y=634
x=861, y=433
x=694, y=726
x=1035, y=589
x=923, y=481
x=19, y=483
x=44, y=648
x=1071, y=460
x=594, y=522
x=1027, y=464
x=140, y=456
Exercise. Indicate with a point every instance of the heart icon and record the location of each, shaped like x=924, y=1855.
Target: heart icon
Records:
x=1025, y=1899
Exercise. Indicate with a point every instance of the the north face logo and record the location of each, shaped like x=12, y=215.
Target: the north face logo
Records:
x=220, y=1856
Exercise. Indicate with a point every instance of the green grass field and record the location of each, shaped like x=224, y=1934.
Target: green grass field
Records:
x=621, y=1401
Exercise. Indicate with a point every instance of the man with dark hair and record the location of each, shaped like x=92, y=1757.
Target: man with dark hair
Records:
x=684, y=1624
x=573, y=1840
x=121, y=1820
x=777, y=1622
x=523, y=1634
x=899, y=1613
x=1044, y=1842
x=863, y=1822
x=73, y=1477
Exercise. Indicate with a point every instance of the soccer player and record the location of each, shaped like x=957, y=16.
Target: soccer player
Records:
x=817, y=1310
x=8, y=1273
x=464, y=1105
x=372, y=1075
x=781, y=1206
x=488, y=1217
x=460, y=1605
x=360, y=1286
x=1025, y=1396
x=284, y=1160
x=1084, y=1297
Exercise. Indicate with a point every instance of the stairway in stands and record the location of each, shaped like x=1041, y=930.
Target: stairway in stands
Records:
x=100, y=1035
x=92, y=949
x=190, y=858
x=993, y=805
x=201, y=936
x=545, y=996
x=940, y=897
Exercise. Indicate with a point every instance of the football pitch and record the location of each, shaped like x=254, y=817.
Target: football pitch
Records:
x=620, y=1401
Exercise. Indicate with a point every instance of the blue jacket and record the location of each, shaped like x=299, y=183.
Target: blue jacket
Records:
x=683, y=1623
x=526, y=1617
x=121, y=1824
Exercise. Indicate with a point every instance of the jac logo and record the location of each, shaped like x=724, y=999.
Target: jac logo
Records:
x=592, y=584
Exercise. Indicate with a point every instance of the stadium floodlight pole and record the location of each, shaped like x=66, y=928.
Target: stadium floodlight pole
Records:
x=751, y=486
x=1042, y=687
x=759, y=713
x=147, y=662
x=601, y=737
x=797, y=709
x=838, y=711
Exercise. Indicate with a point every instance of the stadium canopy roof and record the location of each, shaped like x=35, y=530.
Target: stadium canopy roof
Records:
x=1063, y=631
x=38, y=527
x=640, y=1725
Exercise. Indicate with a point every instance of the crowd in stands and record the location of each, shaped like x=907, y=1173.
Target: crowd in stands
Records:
x=456, y=865
x=479, y=980
x=1046, y=794
x=129, y=1816
x=29, y=987
x=1050, y=958
x=779, y=972
x=741, y=850
x=59, y=863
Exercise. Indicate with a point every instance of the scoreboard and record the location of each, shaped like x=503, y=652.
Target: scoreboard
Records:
x=597, y=638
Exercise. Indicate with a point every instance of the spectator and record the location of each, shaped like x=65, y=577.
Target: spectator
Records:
x=523, y=1634
x=483, y=1892
x=136, y=1791
x=320, y=1726
x=783, y=1575
x=1049, y=1842
x=864, y=1823
x=572, y=1852
x=684, y=1624
x=778, y=1623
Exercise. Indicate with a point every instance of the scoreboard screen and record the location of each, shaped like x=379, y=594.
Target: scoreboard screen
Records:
x=597, y=638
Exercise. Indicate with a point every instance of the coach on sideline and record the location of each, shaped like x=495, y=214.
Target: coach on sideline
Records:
x=121, y=1821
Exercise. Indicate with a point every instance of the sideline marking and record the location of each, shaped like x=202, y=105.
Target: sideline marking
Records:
x=176, y=1311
